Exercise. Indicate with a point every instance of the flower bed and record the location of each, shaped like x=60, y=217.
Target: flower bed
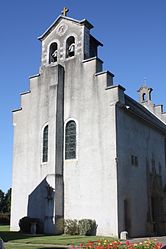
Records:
x=105, y=244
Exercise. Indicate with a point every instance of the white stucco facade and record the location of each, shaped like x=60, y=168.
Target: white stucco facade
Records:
x=113, y=132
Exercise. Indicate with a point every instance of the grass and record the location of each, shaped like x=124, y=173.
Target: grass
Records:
x=17, y=240
x=10, y=246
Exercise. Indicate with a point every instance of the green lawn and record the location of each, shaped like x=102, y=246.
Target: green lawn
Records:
x=31, y=241
x=12, y=246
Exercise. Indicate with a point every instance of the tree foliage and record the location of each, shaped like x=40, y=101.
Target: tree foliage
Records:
x=5, y=201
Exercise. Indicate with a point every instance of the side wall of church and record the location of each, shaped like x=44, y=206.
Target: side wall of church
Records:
x=140, y=148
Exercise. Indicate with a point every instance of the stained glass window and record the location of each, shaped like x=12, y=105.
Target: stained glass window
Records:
x=70, y=140
x=45, y=144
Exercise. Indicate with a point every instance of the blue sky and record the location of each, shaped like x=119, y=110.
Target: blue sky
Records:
x=133, y=33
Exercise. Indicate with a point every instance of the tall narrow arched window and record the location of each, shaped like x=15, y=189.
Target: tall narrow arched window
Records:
x=45, y=144
x=70, y=47
x=70, y=140
x=53, y=52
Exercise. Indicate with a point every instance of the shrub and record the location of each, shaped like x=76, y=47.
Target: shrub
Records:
x=25, y=224
x=81, y=227
x=87, y=227
x=71, y=227
x=4, y=218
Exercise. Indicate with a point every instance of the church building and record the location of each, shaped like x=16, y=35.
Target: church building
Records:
x=83, y=149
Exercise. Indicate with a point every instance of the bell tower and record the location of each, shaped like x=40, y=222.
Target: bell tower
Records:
x=67, y=39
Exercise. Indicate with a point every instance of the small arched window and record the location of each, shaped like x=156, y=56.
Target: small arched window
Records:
x=70, y=140
x=70, y=47
x=45, y=144
x=53, y=52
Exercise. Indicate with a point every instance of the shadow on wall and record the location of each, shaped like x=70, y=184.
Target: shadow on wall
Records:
x=41, y=204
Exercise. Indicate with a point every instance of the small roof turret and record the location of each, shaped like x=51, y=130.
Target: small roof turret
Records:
x=145, y=94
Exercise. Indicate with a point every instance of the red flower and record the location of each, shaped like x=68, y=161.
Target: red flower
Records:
x=127, y=243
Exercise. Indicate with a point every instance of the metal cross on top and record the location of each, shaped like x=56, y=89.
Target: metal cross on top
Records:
x=64, y=11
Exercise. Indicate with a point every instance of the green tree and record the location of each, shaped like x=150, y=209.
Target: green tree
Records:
x=2, y=195
x=5, y=201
